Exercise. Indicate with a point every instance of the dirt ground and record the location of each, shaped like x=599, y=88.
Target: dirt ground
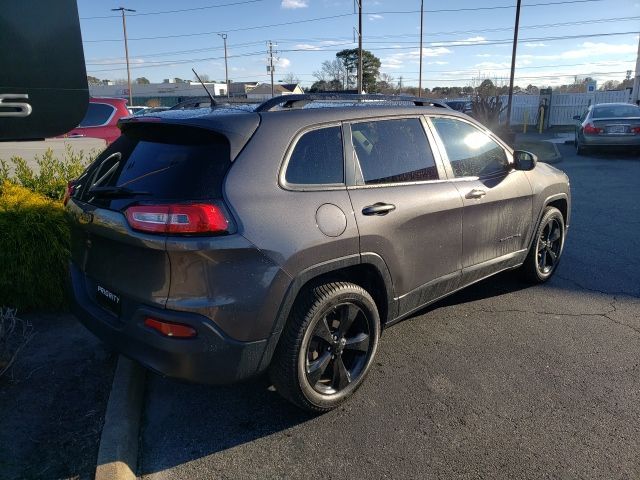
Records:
x=52, y=404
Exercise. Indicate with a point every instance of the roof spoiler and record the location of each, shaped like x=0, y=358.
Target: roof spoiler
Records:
x=300, y=100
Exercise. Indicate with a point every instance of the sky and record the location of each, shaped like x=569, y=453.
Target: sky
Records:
x=464, y=40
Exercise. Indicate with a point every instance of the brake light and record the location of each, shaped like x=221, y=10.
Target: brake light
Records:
x=170, y=329
x=178, y=218
x=635, y=130
x=591, y=129
x=68, y=193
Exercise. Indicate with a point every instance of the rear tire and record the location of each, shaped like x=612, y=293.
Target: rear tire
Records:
x=581, y=150
x=546, y=249
x=327, y=346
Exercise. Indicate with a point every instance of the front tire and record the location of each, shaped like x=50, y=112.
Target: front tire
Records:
x=327, y=346
x=545, y=252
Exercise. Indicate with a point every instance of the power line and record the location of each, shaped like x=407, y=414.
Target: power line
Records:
x=333, y=17
x=143, y=14
x=443, y=43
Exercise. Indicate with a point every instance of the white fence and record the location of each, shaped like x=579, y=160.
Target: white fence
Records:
x=524, y=108
x=564, y=106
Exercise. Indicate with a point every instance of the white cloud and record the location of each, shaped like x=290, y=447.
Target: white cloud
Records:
x=397, y=60
x=283, y=63
x=292, y=4
x=484, y=55
x=437, y=63
x=373, y=17
x=306, y=46
x=590, y=50
x=535, y=45
x=467, y=41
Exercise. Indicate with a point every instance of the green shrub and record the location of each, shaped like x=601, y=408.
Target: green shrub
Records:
x=34, y=249
x=51, y=175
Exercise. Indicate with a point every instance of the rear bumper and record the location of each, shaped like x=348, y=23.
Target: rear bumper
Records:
x=611, y=140
x=211, y=357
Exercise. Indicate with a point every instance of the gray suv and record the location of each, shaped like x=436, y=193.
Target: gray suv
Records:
x=215, y=244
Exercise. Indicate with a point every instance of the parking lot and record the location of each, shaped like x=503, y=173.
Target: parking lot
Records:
x=501, y=380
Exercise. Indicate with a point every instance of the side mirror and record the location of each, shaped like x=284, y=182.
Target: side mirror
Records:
x=524, y=160
x=576, y=117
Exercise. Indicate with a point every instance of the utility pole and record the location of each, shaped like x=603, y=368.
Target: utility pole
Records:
x=420, y=76
x=360, y=89
x=513, y=62
x=635, y=93
x=226, y=67
x=126, y=46
x=270, y=67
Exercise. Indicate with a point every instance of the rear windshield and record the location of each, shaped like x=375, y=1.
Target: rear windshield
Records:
x=616, y=111
x=158, y=162
x=97, y=114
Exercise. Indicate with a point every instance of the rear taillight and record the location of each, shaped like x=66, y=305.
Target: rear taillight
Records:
x=635, y=130
x=170, y=329
x=178, y=218
x=591, y=129
x=68, y=193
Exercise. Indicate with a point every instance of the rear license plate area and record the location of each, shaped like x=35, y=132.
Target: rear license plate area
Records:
x=617, y=129
x=108, y=300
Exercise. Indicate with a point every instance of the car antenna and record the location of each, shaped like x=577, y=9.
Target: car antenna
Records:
x=213, y=102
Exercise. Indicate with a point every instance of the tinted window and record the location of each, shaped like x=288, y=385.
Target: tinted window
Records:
x=471, y=152
x=392, y=151
x=167, y=163
x=616, y=111
x=97, y=114
x=317, y=158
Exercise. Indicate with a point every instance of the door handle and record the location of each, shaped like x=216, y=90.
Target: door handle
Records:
x=476, y=193
x=378, y=209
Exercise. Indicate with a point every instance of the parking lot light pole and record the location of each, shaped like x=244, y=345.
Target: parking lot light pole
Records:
x=126, y=46
x=420, y=75
x=226, y=67
x=513, y=62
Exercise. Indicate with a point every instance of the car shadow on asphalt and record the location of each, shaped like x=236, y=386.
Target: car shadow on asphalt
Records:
x=208, y=419
x=205, y=420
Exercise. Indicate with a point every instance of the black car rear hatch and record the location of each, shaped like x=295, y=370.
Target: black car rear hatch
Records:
x=154, y=163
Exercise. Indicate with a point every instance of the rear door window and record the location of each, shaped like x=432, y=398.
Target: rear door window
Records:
x=97, y=114
x=393, y=151
x=159, y=162
x=317, y=158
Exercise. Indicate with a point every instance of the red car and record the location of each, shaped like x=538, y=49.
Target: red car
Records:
x=101, y=119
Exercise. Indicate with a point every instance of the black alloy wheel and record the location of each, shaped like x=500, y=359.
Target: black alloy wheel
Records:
x=549, y=246
x=546, y=248
x=338, y=349
x=327, y=346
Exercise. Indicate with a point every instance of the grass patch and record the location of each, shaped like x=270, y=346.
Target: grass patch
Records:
x=34, y=246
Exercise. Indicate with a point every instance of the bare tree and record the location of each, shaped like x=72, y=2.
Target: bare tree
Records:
x=203, y=76
x=291, y=78
x=332, y=70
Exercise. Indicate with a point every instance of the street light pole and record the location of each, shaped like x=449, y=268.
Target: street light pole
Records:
x=360, y=77
x=126, y=46
x=513, y=62
x=420, y=76
x=226, y=67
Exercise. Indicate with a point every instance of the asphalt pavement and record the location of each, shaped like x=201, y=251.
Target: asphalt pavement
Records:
x=501, y=380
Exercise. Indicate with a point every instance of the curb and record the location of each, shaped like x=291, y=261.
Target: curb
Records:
x=118, y=450
x=557, y=158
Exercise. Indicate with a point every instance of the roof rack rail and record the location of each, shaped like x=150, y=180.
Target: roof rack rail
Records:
x=300, y=100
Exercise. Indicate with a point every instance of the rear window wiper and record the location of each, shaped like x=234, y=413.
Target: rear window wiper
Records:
x=115, y=192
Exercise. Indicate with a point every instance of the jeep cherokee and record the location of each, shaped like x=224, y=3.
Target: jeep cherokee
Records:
x=215, y=244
